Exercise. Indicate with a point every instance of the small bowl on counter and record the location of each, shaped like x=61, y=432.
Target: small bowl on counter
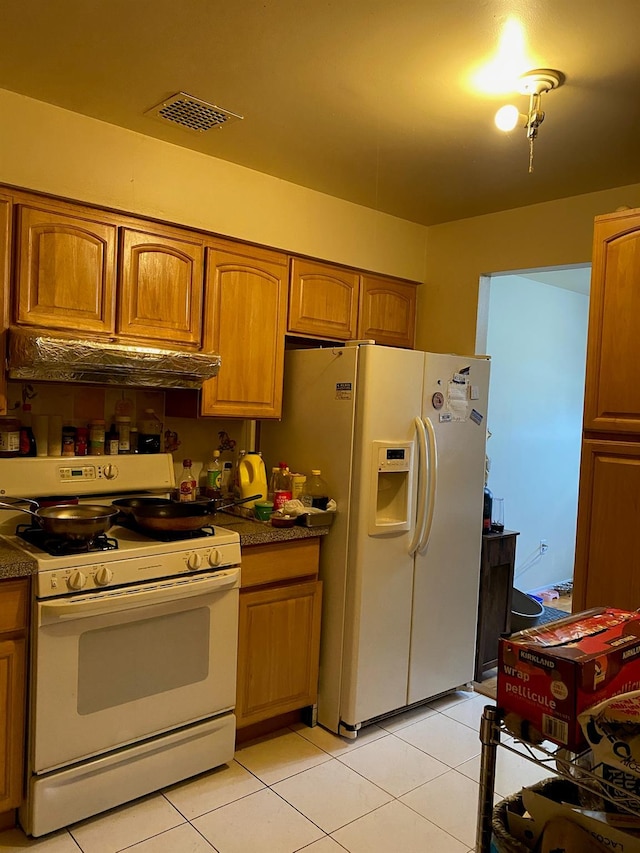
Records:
x=278, y=520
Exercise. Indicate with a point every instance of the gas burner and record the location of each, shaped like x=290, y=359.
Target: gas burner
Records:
x=61, y=547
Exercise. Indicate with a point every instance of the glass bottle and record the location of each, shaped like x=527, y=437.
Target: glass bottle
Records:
x=188, y=484
x=96, y=437
x=82, y=441
x=123, y=426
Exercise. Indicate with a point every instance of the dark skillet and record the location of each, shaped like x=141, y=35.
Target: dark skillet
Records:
x=127, y=505
x=180, y=517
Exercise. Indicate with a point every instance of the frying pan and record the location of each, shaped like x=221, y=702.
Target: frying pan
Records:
x=82, y=522
x=127, y=505
x=180, y=517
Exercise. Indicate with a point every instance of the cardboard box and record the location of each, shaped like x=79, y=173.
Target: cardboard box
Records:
x=549, y=675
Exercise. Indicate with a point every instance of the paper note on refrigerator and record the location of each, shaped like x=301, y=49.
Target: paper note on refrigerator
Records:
x=458, y=398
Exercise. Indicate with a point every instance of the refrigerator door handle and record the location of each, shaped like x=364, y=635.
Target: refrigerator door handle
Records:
x=418, y=532
x=432, y=472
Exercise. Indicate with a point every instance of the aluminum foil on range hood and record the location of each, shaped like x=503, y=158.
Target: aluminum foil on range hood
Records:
x=58, y=358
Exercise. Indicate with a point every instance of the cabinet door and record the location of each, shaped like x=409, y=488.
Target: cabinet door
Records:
x=12, y=719
x=278, y=650
x=323, y=300
x=65, y=270
x=245, y=316
x=5, y=251
x=607, y=547
x=160, y=288
x=387, y=312
x=612, y=392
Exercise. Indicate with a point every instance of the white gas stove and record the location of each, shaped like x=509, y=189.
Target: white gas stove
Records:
x=133, y=645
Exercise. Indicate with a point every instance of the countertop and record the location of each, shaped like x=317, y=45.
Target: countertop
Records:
x=263, y=533
x=14, y=563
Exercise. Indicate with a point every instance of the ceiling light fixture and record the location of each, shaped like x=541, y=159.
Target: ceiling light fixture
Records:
x=533, y=83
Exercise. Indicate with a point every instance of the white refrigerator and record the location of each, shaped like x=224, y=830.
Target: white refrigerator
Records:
x=400, y=438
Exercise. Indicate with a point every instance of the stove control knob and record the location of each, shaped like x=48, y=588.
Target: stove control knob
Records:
x=76, y=580
x=109, y=471
x=103, y=576
x=194, y=561
x=215, y=558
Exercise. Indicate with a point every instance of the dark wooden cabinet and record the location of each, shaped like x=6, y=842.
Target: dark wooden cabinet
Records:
x=494, y=602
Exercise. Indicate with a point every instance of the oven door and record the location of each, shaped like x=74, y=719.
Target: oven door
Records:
x=118, y=666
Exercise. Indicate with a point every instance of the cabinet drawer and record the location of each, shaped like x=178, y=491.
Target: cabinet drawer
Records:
x=14, y=605
x=264, y=564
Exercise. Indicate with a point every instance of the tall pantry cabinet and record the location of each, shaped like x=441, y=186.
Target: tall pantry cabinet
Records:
x=607, y=567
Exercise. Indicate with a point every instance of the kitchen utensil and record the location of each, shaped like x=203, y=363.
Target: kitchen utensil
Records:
x=81, y=522
x=181, y=517
x=127, y=505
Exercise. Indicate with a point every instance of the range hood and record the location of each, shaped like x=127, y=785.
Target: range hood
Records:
x=36, y=355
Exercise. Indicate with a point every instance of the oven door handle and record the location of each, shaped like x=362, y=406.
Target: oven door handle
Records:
x=115, y=601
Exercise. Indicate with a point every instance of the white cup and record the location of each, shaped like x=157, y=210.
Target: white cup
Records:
x=55, y=435
x=40, y=426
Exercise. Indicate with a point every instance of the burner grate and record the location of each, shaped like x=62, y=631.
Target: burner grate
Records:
x=58, y=546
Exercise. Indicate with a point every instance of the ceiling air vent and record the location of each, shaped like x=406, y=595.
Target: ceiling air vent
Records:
x=192, y=113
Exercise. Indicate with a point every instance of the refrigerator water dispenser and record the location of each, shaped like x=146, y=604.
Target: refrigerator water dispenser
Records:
x=392, y=482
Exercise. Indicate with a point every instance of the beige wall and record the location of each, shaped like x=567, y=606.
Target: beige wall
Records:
x=52, y=150
x=552, y=234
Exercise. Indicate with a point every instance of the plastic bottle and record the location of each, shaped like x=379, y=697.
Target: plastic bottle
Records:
x=316, y=491
x=272, y=484
x=235, y=489
x=214, y=476
x=253, y=477
x=281, y=487
x=112, y=441
x=27, y=438
x=188, y=483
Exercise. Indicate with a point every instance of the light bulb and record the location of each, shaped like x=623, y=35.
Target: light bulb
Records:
x=507, y=117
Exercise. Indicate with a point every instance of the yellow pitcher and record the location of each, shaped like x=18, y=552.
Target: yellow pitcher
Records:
x=253, y=477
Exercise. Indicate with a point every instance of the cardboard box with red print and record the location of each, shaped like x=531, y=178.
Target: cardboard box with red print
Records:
x=549, y=675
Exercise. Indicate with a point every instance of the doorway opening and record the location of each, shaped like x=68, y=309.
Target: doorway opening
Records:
x=533, y=324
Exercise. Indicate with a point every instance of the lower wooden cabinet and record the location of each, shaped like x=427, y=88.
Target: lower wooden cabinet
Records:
x=13, y=668
x=279, y=630
x=607, y=549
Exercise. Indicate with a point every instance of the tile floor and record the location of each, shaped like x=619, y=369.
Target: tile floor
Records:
x=407, y=785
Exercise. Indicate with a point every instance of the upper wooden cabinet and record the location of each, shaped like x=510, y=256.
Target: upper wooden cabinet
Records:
x=323, y=300
x=612, y=391
x=5, y=256
x=65, y=269
x=387, y=311
x=244, y=322
x=160, y=287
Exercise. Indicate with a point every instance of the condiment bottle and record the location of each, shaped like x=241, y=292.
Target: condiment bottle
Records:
x=82, y=441
x=282, y=487
x=123, y=425
x=187, y=482
x=316, y=491
x=236, y=475
x=112, y=441
x=27, y=438
x=68, y=447
x=9, y=437
x=214, y=476
x=96, y=437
